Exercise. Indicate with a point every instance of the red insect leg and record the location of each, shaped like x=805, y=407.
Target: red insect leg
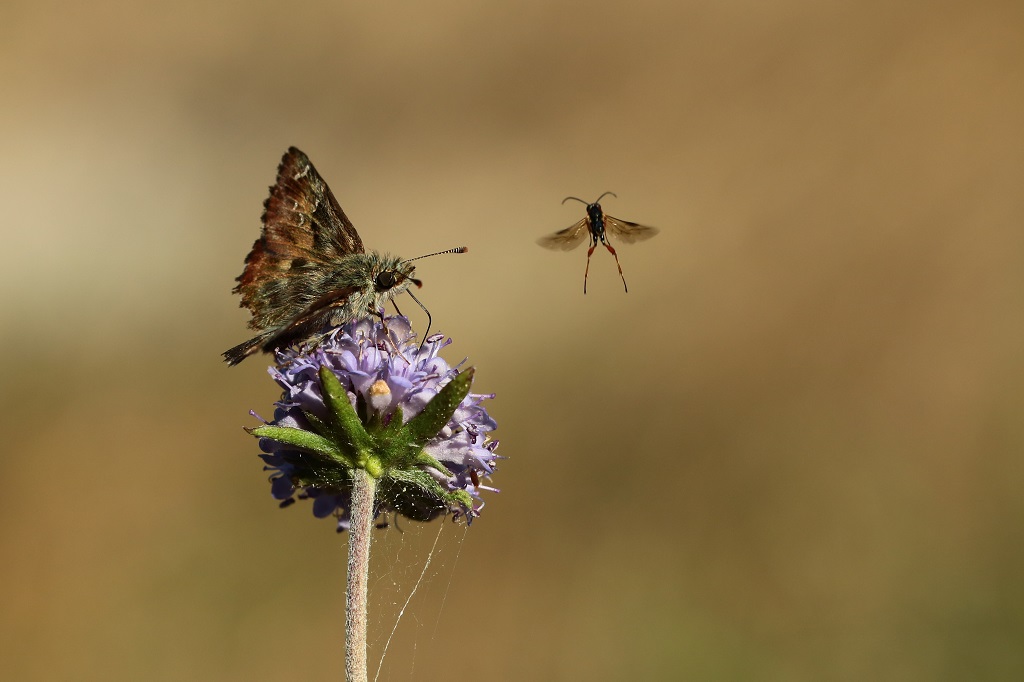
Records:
x=609, y=247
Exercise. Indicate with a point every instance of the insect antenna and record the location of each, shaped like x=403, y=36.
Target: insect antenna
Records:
x=457, y=249
x=595, y=201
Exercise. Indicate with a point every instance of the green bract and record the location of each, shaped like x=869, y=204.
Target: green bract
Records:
x=388, y=449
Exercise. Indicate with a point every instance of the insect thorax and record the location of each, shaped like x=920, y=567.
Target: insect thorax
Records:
x=596, y=216
x=359, y=273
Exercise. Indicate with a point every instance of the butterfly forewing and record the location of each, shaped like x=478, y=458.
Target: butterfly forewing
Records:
x=626, y=231
x=303, y=229
x=567, y=239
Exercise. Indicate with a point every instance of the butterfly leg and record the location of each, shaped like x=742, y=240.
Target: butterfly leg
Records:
x=387, y=331
x=399, y=311
x=609, y=247
x=590, y=252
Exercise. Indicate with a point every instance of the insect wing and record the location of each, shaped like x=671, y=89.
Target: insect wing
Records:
x=303, y=228
x=311, y=320
x=628, y=232
x=567, y=239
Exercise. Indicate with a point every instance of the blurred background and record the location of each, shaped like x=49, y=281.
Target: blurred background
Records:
x=791, y=452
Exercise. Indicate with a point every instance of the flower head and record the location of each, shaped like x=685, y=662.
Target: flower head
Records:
x=369, y=396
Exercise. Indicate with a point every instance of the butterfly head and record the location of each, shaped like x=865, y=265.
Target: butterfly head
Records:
x=390, y=275
x=386, y=280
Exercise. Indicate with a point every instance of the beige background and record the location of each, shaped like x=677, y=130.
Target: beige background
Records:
x=791, y=452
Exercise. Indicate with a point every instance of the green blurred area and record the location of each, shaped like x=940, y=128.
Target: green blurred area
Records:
x=791, y=452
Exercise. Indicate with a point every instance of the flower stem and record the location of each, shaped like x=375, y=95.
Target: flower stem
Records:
x=360, y=527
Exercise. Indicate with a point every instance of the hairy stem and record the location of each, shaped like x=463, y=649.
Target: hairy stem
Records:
x=363, y=486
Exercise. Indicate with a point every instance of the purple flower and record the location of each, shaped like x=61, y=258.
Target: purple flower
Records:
x=370, y=396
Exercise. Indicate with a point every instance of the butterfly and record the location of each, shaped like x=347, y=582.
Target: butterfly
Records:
x=308, y=270
x=598, y=225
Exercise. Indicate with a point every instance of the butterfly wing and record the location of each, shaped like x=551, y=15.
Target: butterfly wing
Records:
x=310, y=321
x=626, y=231
x=567, y=239
x=304, y=228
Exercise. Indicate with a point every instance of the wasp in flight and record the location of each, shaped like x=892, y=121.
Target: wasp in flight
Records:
x=598, y=225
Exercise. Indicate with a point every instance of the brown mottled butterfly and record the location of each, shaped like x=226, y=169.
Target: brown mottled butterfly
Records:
x=308, y=270
x=597, y=225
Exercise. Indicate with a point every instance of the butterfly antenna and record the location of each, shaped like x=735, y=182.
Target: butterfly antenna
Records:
x=575, y=198
x=457, y=249
x=597, y=200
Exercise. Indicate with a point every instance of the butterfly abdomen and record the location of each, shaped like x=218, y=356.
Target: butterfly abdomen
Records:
x=235, y=355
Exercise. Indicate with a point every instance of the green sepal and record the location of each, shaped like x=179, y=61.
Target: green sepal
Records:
x=395, y=425
x=318, y=424
x=461, y=498
x=438, y=412
x=413, y=494
x=344, y=423
x=417, y=478
x=425, y=460
x=301, y=440
x=426, y=494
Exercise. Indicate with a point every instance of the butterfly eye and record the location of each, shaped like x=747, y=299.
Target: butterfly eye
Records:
x=386, y=280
